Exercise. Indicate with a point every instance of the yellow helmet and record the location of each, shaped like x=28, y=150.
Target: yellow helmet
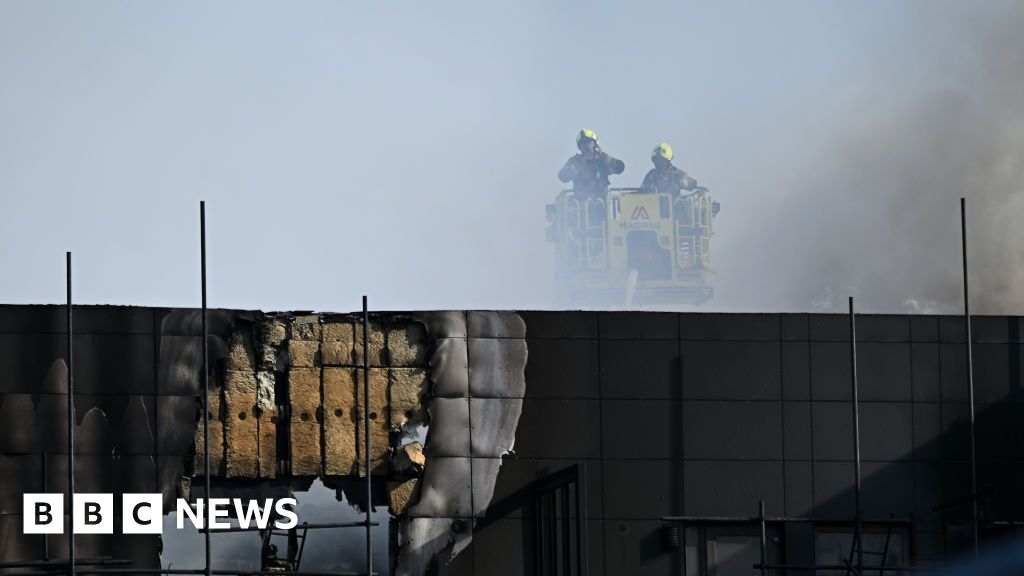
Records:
x=663, y=150
x=585, y=133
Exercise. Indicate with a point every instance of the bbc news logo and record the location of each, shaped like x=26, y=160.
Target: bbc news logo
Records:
x=143, y=513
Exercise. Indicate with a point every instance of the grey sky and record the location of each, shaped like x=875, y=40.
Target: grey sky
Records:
x=406, y=151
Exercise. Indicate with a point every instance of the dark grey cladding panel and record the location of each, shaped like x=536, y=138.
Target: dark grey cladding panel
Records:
x=951, y=329
x=491, y=324
x=886, y=430
x=932, y=483
x=517, y=473
x=999, y=432
x=729, y=327
x=833, y=490
x=887, y=488
x=1005, y=502
x=928, y=546
x=450, y=324
x=86, y=319
x=956, y=443
x=559, y=429
x=924, y=328
x=830, y=371
x=142, y=550
x=21, y=474
x=794, y=327
x=496, y=367
x=449, y=368
x=643, y=488
x=733, y=488
x=953, y=371
x=563, y=368
x=799, y=489
x=731, y=370
x=21, y=431
x=494, y=423
x=449, y=420
x=639, y=369
x=19, y=546
x=189, y=321
x=997, y=329
x=796, y=371
x=829, y=327
x=796, y=430
x=927, y=431
x=882, y=328
x=998, y=373
x=926, y=380
x=446, y=489
x=500, y=549
x=642, y=429
x=883, y=371
x=575, y=324
x=638, y=325
x=713, y=430
x=177, y=420
x=832, y=423
x=180, y=361
x=33, y=363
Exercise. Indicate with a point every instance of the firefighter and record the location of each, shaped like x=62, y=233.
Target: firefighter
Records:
x=665, y=177
x=589, y=170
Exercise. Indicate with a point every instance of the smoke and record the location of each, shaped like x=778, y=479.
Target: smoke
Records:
x=874, y=211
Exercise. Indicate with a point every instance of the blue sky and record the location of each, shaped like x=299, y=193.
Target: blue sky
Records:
x=407, y=151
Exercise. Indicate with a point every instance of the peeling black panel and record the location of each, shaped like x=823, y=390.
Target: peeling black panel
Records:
x=449, y=324
x=494, y=422
x=177, y=418
x=496, y=368
x=711, y=430
x=799, y=489
x=730, y=327
x=559, y=429
x=724, y=488
x=449, y=418
x=642, y=429
x=886, y=431
x=796, y=430
x=833, y=430
x=449, y=368
x=563, y=368
x=566, y=325
x=796, y=371
x=731, y=370
x=495, y=325
x=638, y=325
x=639, y=369
x=925, y=377
x=446, y=490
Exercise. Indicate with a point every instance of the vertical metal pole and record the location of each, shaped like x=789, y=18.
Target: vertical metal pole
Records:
x=856, y=438
x=566, y=532
x=581, y=520
x=71, y=431
x=764, y=538
x=366, y=433
x=205, y=375
x=46, y=487
x=970, y=378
